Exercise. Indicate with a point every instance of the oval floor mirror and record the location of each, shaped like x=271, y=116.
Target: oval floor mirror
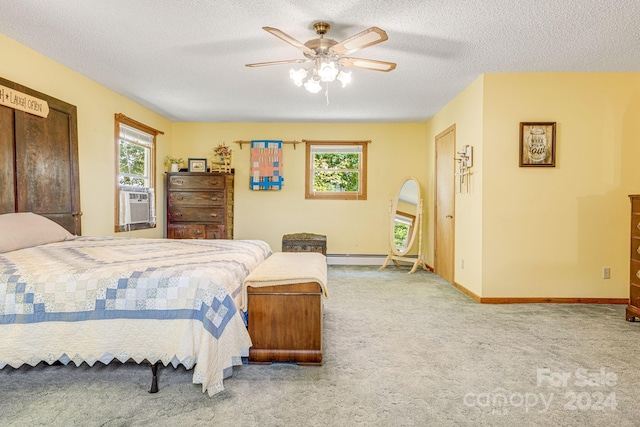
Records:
x=406, y=225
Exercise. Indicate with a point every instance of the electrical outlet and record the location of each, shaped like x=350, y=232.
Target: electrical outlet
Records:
x=606, y=273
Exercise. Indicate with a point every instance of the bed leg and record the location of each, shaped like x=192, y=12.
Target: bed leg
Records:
x=154, y=378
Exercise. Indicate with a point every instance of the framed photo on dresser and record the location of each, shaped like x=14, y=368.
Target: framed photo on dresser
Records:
x=197, y=165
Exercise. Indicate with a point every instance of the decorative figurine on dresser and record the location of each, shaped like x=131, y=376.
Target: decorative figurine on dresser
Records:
x=199, y=205
x=633, y=309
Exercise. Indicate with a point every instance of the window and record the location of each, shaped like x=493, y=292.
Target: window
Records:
x=336, y=170
x=135, y=186
x=135, y=154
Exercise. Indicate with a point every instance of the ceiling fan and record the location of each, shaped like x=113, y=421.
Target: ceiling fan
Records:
x=328, y=54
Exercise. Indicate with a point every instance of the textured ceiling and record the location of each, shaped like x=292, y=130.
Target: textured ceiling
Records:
x=185, y=59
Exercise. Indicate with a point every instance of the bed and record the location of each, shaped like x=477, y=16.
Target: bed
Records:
x=87, y=299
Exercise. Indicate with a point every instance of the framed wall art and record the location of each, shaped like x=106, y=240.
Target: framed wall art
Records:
x=197, y=165
x=537, y=144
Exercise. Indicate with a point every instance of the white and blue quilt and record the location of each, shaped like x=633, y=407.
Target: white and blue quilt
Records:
x=98, y=298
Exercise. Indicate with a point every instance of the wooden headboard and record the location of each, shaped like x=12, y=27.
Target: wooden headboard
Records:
x=39, y=159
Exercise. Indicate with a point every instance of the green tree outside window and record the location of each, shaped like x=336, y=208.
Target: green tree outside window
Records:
x=336, y=172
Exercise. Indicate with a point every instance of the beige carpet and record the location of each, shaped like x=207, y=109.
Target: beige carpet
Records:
x=400, y=350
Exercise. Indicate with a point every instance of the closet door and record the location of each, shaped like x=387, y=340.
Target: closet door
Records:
x=46, y=161
x=7, y=183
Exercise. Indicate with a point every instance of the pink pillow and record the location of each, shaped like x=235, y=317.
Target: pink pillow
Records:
x=25, y=229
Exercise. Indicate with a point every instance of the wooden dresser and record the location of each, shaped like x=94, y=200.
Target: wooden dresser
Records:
x=633, y=309
x=199, y=205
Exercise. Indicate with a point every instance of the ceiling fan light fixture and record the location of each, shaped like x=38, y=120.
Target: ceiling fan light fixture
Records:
x=313, y=85
x=329, y=57
x=298, y=76
x=344, y=77
x=328, y=71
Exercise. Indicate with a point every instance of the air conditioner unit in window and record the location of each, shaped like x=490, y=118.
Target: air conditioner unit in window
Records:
x=136, y=207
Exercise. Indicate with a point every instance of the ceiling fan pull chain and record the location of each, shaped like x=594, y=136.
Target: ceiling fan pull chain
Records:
x=326, y=93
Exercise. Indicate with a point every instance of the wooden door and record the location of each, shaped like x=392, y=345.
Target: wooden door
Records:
x=43, y=165
x=445, y=204
x=7, y=183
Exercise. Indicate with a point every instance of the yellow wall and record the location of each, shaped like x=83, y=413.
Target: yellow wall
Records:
x=352, y=227
x=546, y=232
x=465, y=111
x=550, y=231
x=96, y=108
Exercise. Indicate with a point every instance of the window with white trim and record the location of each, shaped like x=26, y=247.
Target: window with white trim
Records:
x=135, y=153
x=336, y=170
x=135, y=186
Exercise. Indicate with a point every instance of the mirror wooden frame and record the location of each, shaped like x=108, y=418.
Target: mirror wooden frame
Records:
x=396, y=254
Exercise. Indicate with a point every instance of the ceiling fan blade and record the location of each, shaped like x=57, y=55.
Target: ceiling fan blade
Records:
x=367, y=64
x=293, y=42
x=286, y=61
x=359, y=41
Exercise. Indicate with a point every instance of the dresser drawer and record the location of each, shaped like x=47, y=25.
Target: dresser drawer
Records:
x=635, y=248
x=205, y=181
x=186, y=231
x=635, y=204
x=197, y=231
x=634, y=272
x=196, y=198
x=634, y=296
x=635, y=224
x=203, y=214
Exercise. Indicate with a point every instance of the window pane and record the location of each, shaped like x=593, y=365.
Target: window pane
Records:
x=336, y=160
x=132, y=159
x=332, y=172
x=332, y=181
x=129, y=180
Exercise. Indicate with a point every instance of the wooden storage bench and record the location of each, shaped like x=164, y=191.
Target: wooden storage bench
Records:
x=285, y=308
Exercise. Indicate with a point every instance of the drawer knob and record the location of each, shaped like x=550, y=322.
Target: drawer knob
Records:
x=213, y=215
x=638, y=249
x=638, y=226
x=198, y=232
x=214, y=199
x=177, y=181
x=638, y=274
x=214, y=182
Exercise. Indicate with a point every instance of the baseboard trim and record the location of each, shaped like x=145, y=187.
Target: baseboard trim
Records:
x=346, y=259
x=467, y=292
x=529, y=300
x=624, y=301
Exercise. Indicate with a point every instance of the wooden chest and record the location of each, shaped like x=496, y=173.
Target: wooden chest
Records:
x=304, y=242
x=285, y=323
x=199, y=205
